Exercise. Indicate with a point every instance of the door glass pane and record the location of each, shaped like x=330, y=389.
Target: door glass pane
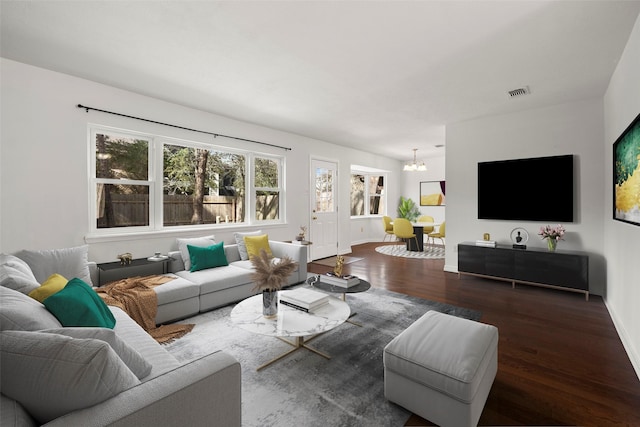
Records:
x=324, y=190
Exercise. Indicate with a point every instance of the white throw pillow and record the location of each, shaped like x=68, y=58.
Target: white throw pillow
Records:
x=52, y=375
x=68, y=262
x=242, y=247
x=202, y=242
x=19, y=312
x=139, y=366
x=16, y=274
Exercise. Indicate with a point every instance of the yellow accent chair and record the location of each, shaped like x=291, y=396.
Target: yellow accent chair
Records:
x=426, y=218
x=440, y=234
x=403, y=230
x=388, y=227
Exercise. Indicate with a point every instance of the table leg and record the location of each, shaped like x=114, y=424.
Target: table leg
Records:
x=344, y=298
x=297, y=345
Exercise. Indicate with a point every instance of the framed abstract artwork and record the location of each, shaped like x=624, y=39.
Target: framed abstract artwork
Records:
x=626, y=174
x=432, y=193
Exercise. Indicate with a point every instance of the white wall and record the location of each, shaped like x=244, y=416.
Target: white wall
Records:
x=44, y=195
x=622, y=240
x=575, y=128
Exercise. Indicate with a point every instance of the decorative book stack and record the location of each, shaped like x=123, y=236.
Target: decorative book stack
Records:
x=304, y=299
x=346, y=280
x=486, y=243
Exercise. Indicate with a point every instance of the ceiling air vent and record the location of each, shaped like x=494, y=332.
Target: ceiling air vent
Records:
x=519, y=92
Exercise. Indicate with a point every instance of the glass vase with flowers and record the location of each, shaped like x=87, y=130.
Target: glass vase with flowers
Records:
x=553, y=235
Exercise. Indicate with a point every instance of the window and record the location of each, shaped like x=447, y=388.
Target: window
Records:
x=267, y=179
x=367, y=194
x=122, y=184
x=145, y=183
x=202, y=186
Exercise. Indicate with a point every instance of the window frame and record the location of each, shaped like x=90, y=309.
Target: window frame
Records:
x=155, y=183
x=280, y=162
x=367, y=195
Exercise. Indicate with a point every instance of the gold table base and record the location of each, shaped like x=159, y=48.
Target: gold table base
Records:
x=297, y=345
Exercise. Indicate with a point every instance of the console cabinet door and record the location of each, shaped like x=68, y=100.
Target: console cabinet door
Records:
x=553, y=268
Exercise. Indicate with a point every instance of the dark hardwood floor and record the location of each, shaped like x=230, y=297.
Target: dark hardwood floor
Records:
x=560, y=360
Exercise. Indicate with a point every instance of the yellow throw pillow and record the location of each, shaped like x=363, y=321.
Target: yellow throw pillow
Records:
x=52, y=285
x=256, y=243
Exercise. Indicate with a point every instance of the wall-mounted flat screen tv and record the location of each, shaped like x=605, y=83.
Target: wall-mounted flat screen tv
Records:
x=534, y=189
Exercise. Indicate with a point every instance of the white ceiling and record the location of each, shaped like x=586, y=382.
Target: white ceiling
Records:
x=381, y=76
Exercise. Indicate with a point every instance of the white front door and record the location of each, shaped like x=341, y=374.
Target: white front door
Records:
x=324, y=215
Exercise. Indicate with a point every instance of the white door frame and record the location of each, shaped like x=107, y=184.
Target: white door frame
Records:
x=324, y=241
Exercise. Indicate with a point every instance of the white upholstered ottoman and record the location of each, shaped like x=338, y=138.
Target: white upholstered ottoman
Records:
x=442, y=368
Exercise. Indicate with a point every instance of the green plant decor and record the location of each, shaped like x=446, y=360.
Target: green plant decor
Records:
x=408, y=209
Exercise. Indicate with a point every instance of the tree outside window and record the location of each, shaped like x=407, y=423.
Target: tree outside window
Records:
x=202, y=186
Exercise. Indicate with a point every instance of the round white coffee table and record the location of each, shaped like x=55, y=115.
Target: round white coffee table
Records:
x=290, y=322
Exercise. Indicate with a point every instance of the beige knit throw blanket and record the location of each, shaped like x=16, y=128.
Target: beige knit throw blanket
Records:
x=135, y=295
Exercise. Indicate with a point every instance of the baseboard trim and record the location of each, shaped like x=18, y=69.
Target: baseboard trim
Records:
x=624, y=337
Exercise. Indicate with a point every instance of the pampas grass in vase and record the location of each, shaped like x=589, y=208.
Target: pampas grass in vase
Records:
x=269, y=276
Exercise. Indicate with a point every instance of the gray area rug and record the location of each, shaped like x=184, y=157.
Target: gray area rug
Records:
x=430, y=252
x=304, y=389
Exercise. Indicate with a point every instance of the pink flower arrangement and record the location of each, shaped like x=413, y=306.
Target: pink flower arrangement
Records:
x=555, y=233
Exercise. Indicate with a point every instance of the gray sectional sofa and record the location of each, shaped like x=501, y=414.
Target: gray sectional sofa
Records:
x=196, y=292
x=54, y=376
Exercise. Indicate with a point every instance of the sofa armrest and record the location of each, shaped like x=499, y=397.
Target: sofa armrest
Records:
x=298, y=253
x=175, y=262
x=204, y=392
x=94, y=273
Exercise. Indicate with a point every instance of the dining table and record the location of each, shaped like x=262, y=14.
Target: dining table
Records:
x=418, y=230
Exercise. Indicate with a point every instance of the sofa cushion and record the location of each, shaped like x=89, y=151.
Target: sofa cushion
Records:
x=13, y=414
x=242, y=247
x=22, y=313
x=69, y=262
x=129, y=331
x=51, y=375
x=257, y=244
x=16, y=274
x=176, y=290
x=134, y=361
x=193, y=241
x=52, y=285
x=216, y=279
x=207, y=257
x=79, y=305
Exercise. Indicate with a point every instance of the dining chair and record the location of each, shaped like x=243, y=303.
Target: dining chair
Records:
x=426, y=218
x=388, y=227
x=403, y=230
x=440, y=234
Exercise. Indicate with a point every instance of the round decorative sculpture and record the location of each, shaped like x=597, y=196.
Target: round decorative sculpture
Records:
x=519, y=237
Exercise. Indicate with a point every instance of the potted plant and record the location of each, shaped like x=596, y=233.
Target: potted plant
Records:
x=408, y=209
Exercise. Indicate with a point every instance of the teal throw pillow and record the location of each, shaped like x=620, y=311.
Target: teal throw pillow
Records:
x=207, y=257
x=77, y=304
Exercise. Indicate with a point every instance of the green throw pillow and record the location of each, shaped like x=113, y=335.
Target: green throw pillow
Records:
x=207, y=257
x=77, y=304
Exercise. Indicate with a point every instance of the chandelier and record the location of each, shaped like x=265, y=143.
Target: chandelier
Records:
x=415, y=166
